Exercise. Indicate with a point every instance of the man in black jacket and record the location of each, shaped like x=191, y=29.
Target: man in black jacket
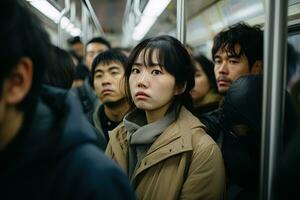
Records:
x=86, y=92
x=237, y=51
x=47, y=148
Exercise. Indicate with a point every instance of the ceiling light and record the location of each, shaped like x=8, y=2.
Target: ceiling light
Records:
x=46, y=8
x=152, y=11
x=52, y=13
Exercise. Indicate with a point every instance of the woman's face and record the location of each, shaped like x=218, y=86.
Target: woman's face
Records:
x=202, y=85
x=152, y=87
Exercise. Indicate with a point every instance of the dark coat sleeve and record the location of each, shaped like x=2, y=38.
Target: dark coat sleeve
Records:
x=89, y=174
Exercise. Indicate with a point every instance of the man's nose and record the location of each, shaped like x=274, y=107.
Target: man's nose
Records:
x=106, y=80
x=223, y=69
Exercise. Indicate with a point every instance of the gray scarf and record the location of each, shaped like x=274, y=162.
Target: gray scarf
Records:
x=141, y=135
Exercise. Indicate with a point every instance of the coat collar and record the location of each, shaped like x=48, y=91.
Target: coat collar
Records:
x=176, y=139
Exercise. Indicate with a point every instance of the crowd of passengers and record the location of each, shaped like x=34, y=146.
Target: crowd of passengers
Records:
x=154, y=122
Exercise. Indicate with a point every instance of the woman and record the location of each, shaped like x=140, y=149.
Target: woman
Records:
x=160, y=144
x=204, y=94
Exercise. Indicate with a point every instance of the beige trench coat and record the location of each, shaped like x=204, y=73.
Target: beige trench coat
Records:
x=183, y=162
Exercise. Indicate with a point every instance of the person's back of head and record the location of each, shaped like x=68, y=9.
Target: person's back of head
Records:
x=25, y=46
x=61, y=73
x=250, y=39
x=243, y=102
x=76, y=46
x=74, y=40
x=243, y=105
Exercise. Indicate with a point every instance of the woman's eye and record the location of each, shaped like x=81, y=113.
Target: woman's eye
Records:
x=135, y=71
x=156, y=72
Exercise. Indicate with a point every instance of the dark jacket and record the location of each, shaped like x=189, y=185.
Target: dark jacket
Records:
x=56, y=156
x=242, y=105
x=87, y=96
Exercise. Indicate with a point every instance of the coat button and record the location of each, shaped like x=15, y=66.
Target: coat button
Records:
x=170, y=150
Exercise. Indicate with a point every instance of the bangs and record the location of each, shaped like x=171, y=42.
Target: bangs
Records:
x=148, y=55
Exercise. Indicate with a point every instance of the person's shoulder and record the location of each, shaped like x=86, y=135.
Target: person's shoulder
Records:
x=98, y=174
x=212, y=122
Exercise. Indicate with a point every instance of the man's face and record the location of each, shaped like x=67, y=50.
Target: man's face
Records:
x=78, y=49
x=92, y=50
x=108, y=82
x=229, y=67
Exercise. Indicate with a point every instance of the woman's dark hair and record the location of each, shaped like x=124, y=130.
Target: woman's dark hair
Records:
x=174, y=58
x=61, y=73
x=106, y=58
x=208, y=68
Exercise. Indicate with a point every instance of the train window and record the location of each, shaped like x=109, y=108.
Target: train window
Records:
x=291, y=2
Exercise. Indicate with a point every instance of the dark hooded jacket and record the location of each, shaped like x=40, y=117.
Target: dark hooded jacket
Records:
x=56, y=156
x=243, y=105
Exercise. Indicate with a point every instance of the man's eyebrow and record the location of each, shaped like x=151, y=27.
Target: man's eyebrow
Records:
x=113, y=67
x=233, y=56
x=98, y=71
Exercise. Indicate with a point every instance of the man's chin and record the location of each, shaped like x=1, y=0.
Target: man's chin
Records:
x=223, y=90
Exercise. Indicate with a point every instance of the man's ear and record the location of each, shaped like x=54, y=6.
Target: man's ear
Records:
x=257, y=68
x=180, y=89
x=19, y=81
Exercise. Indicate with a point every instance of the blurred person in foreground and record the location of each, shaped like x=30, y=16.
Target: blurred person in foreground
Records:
x=47, y=149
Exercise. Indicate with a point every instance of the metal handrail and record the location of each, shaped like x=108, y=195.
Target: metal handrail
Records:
x=181, y=21
x=65, y=11
x=273, y=93
x=94, y=17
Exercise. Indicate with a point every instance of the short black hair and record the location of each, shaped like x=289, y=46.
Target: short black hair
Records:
x=174, y=58
x=22, y=35
x=100, y=40
x=208, y=68
x=74, y=40
x=106, y=58
x=250, y=39
x=61, y=73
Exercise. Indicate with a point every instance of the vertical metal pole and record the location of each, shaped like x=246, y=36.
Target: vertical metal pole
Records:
x=73, y=11
x=60, y=31
x=273, y=96
x=181, y=22
x=94, y=17
x=84, y=22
